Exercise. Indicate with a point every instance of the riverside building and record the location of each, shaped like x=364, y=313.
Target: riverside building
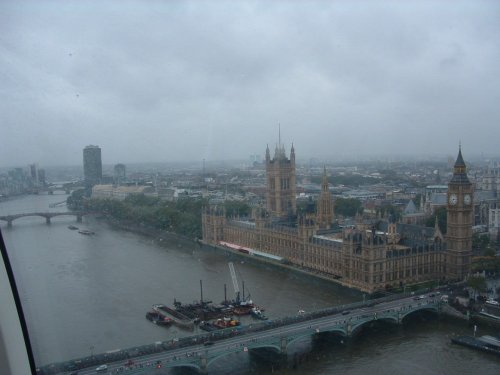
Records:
x=371, y=255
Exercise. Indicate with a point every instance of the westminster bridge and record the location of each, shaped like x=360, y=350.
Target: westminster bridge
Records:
x=47, y=215
x=275, y=337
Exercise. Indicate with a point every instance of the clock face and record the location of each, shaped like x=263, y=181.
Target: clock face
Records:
x=453, y=199
x=467, y=199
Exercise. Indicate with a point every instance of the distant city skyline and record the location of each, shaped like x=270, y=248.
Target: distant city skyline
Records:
x=439, y=158
x=186, y=81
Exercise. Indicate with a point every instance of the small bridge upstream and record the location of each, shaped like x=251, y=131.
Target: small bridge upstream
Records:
x=276, y=337
x=47, y=215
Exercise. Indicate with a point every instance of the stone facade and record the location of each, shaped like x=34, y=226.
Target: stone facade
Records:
x=324, y=215
x=281, y=185
x=460, y=221
x=369, y=256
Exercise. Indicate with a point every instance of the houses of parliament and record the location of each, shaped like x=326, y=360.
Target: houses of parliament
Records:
x=371, y=255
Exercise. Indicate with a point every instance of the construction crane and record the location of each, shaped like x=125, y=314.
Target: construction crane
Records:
x=235, y=281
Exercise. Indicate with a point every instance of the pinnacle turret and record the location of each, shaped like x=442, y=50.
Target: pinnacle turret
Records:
x=459, y=169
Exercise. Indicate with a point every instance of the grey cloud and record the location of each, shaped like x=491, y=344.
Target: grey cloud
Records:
x=192, y=80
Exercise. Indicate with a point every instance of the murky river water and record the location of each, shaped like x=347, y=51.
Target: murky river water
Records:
x=84, y=294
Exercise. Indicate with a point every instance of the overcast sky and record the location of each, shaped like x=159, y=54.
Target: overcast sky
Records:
x=168, y=81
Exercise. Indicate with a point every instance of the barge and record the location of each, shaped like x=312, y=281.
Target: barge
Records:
x=204, y=310
x=488, y=317
x=488, y=344
x=177, y=318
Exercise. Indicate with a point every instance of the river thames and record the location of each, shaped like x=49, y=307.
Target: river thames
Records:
x=89, y=294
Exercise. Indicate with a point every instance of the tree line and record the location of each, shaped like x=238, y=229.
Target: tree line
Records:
x=182, y=216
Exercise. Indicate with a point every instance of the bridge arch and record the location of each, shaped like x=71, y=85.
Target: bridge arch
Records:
x=225, y=353
x=10, y=218
x=184, y=364
x=355, y=328
x=275, y=347
x=337, y=329
x=429, y=308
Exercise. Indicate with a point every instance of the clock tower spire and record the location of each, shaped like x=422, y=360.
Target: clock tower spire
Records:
x=460, y=219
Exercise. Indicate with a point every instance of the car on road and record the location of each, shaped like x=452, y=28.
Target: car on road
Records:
x=208, y=343
x=492, y=302
x=102, y=368
x=345, y=312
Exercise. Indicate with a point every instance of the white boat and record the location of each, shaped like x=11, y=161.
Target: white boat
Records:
x=86, y=232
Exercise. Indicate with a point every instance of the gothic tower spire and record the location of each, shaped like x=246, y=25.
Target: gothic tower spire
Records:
x=460, y=219
x=324, y=213
x=281, y=183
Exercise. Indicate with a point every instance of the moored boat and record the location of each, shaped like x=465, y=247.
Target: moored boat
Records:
x=86, y=232
x=488, y=316
x=207, y=326
x=225, y=323
x=489, y=344
x=242, y=310
x=258, y=314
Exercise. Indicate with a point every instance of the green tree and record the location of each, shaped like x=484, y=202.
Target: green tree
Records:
x=141, y=200
x=477, y=283
x=236, y=208
x=75, y=200
x=348, y=206
x=481, y=244
x=489, y=252
x=442, y=217
x=488, y=264
x=182, y=217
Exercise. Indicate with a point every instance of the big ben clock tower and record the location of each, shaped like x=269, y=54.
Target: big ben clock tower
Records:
x=460, y=221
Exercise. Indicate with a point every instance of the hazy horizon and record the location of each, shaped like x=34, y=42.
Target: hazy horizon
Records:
x=185, y=81
x=473, y=161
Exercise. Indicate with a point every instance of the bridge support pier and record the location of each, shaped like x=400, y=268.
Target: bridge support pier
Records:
x=9, y=223
x=79, y=218
x=203, y=365
x=47, y=219
x=283, y=345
